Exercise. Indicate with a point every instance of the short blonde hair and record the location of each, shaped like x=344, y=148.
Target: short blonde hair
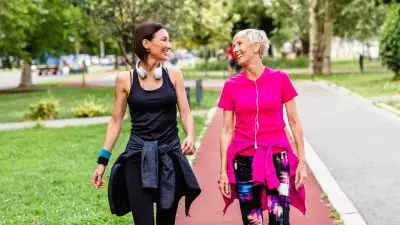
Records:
x=255, y=37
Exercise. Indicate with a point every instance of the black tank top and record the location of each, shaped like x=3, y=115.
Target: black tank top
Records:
x=153, y=112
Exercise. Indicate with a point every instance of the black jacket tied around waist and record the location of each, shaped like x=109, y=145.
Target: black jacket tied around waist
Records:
x=159, y=162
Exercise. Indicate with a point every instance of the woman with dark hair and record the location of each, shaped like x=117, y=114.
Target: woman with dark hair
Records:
x=153, y=167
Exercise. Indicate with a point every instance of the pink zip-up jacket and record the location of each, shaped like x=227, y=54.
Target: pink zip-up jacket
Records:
x=259, y=124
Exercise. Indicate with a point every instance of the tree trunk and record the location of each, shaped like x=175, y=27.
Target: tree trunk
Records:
x=133, y=52
x=116, y=60
x=26, y=74
x=306, y=47
x=134, y=23
x=315, y=56
x=327, y=36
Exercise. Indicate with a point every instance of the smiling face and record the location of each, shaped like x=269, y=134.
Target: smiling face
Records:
x=245, y=51
x=159, y=46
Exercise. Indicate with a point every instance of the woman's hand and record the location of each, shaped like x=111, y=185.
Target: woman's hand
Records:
x=188, y=147
x=224, y=185
x=301, y=175
x=97, y=177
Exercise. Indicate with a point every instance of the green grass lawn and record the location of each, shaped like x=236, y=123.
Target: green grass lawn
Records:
x=354, y=63
x=366, y=84
x=45, y=175
x=395, y=104
x=9, y=70
x=14, y=106
x=210, y=98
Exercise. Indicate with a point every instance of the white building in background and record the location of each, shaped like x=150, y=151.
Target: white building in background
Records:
x=351, y=49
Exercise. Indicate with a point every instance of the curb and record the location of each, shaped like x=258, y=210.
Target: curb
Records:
x=386, y=107
x=336, y=196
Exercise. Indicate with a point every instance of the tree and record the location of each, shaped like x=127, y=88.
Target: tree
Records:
x=208, y=24
x=390, y=41
x=251, y=14
x=344, y=19
x=289, y=22
x=191, y=22
x=359, y=24
x=30, y=28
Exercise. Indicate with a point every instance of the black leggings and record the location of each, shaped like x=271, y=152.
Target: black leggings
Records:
x=249, y=194
x=141, y=200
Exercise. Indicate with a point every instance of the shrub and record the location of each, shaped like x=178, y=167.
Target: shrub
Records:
x=43, y=110
x=389, y=49
x=89, y=108
x=301, y=62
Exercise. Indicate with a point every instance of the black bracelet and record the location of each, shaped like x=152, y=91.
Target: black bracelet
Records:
x=102, y=160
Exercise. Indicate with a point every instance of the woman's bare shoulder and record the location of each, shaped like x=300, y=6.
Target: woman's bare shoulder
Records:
x=123, y=76
x=174, y=73
x=123, y=81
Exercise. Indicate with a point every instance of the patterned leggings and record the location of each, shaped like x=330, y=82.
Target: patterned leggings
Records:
x=249, y=194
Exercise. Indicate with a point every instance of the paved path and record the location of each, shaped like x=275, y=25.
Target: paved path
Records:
x=207, y=209
x=11, y=79
x=69, y=122
x=359, y=144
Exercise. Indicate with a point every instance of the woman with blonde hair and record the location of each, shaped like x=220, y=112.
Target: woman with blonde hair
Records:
x=259, y=165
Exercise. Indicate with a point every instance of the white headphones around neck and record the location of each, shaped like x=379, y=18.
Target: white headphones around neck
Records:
x=157, y=72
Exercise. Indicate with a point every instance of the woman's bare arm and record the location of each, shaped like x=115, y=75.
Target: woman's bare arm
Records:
x=296, y=128
x=226, y=137
x=297, y=131
x=185, y=113
x=115, y=123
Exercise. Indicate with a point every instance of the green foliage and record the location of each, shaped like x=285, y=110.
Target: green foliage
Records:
x=290, y=19
x=189, y=23
x=43, y=110
x=29, y=28
x=301, y=62
x=205, y=22
x=89, y=108
x=250, y=14
x=352, y=22
x=389, y=50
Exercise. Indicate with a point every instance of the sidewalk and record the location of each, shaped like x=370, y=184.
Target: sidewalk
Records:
x=57, y=123
x=207, y=209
